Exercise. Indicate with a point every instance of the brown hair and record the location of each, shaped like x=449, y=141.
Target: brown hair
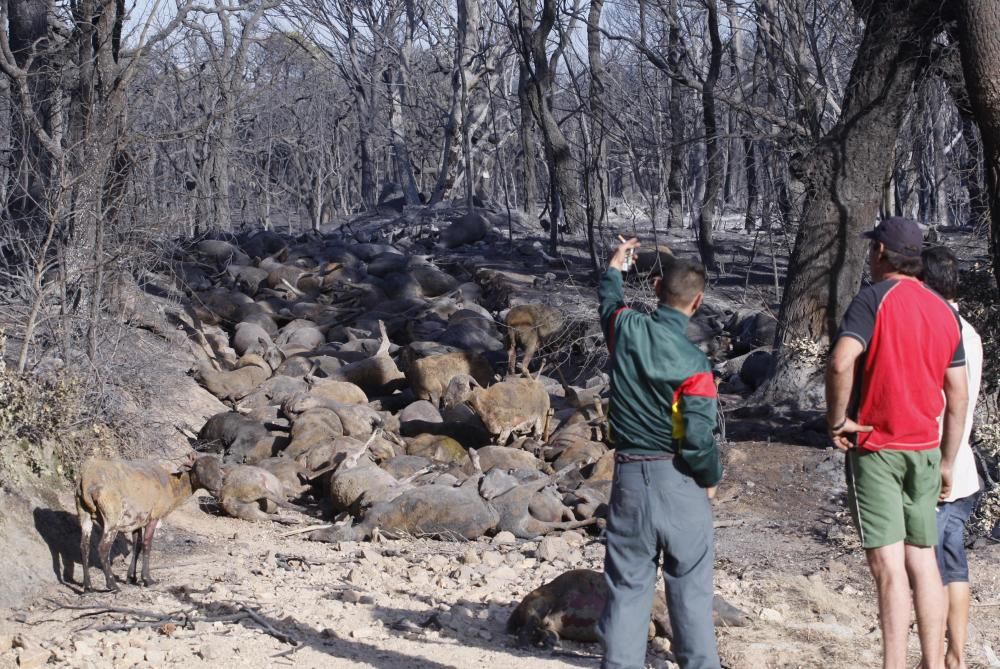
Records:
x=680, y=281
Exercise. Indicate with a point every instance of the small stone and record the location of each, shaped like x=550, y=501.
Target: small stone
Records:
x=155, y=656
x=83, y=649
x=356, y=577
x=209, y=652
x=33, y=657
x=504, y=538
x=492, y=559
x=350, y=596
x=366, y=599
x=848, y=589
x=370, y=554
x=485, y=634
x=328, y=633
x=574, y=539
x=362, y=633
x=501, y=574
x=552, y=548
x=437, y=563
x=470, y=557
x=771, y=615
x=134, y=655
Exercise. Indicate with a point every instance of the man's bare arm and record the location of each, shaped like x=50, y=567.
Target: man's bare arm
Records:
x=839, y=381
x=956, y=393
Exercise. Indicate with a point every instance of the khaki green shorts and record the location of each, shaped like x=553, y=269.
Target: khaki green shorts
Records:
x=893, y=495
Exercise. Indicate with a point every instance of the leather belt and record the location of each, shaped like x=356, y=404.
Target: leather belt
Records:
x=631, y=457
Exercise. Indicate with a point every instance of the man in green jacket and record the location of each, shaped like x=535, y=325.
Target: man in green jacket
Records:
x=661, y=421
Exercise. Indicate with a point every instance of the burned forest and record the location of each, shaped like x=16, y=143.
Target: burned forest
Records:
x=299, y=306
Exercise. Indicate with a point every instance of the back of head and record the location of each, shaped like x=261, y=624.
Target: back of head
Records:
x=941, y=271
x=681, y=281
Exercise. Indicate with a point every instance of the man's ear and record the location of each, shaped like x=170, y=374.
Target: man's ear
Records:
x=696, y=303
x=656, y=286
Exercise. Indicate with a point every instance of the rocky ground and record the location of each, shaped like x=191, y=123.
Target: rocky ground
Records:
x=231, y=593
x=238, y=594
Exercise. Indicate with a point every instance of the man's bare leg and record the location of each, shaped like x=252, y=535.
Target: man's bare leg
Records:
x=958, y=624
x=929, y=601
x=888, y=567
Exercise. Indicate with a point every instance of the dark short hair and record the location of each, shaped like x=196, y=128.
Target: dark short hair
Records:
x=941, y=271
x=903, y=264
x=680, y=281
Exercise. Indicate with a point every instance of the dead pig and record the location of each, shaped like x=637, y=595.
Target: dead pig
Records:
x=569, y=607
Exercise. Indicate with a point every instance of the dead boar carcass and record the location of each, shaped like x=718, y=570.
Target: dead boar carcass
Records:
x=237, y=437
x=253, y=493
x=569, y=607
x=436, y=510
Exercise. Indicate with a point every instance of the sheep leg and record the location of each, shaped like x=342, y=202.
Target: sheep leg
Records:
x=511, y=354
x=136, y=549
x=147, y=544
x=86, y=528
x=104, y=555
x=529, y=350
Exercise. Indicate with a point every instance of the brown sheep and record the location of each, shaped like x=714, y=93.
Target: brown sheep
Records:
x=511, y=406
x=134, y=497
x=429, y=377
x=529, y=325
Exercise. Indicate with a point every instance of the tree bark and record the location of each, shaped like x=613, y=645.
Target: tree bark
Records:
x=597, y=173
x=678, y=150
x=532, y=44
x=843, y=177
x=979, y=41
x=713, y=147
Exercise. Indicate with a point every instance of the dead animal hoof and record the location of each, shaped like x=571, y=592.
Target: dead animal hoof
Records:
x=148, y=582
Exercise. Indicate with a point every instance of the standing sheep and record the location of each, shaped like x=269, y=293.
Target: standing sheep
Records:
x=529, y=325
x=134, y=497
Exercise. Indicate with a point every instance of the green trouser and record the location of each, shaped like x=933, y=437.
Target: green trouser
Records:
x=656, y=509
x=893, y=495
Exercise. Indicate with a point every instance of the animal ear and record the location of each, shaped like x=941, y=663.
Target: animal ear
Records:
x=186, y=464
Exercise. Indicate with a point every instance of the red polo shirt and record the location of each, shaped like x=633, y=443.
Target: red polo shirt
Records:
x=911, y=337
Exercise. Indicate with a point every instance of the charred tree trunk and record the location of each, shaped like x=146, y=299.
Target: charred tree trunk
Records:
x=27, y=34
x=750, y=164
x=675, y=188
x=713, y=146
x=979, y=40
x=843, y=177
x=532, y=43
x=526, y=132
x=597, y=173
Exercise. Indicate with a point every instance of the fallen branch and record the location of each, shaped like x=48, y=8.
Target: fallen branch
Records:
x=276, y=633
x=303, y=530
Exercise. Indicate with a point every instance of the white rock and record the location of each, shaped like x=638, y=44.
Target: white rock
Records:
x=362, y=633
x=771, y=615
x=155, y=656
x=504, y=538
x=492, y=559
x=552, y=548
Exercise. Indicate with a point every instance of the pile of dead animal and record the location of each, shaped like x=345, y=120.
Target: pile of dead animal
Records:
x=364, y=388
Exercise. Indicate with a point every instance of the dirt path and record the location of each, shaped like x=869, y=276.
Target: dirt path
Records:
x=786, y=555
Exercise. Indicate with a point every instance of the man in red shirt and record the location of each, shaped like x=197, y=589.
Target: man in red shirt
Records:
x=899, y=346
